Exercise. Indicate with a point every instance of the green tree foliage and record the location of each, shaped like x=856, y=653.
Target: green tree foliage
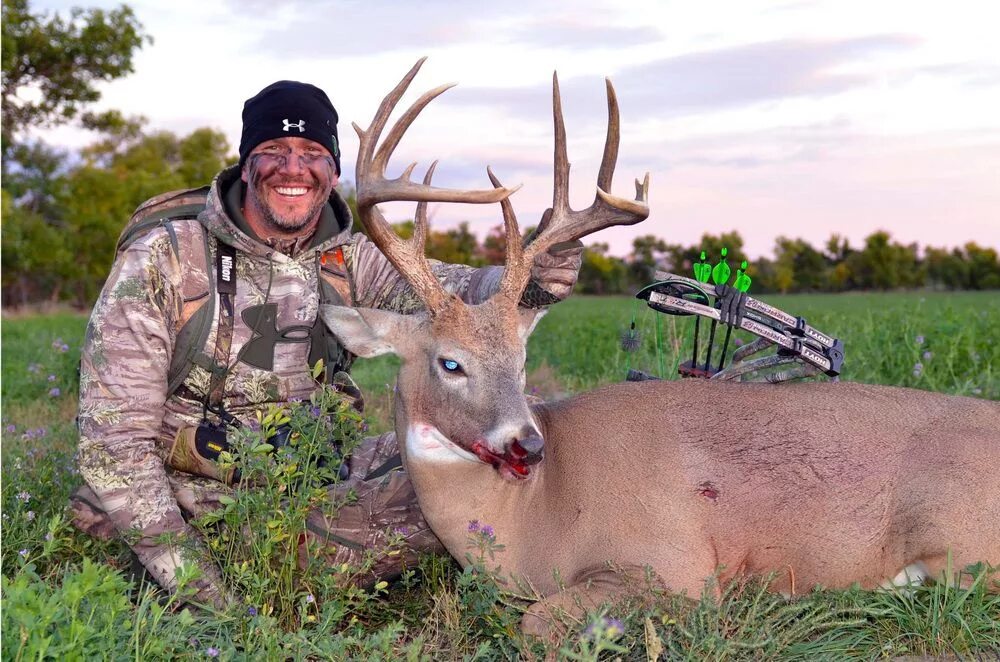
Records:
x=61, y=228
x=51, y=64
x=601, y=273
x=798, y=265
x=648, y=253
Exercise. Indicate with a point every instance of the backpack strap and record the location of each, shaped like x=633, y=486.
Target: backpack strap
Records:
x=194, y=332
x=225, y=281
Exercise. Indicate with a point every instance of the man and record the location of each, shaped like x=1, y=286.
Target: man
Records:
x=278, y=237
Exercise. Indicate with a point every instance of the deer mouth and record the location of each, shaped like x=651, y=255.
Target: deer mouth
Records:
x=514, y=464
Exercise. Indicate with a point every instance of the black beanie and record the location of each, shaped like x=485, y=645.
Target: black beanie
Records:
x=289, y=108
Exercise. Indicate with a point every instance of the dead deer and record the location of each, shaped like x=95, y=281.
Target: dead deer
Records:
x=823, y=483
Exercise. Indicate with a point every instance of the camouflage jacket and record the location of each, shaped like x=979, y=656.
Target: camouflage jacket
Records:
x=128, y=421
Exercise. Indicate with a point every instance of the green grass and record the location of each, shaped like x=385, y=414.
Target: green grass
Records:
x=66, y=596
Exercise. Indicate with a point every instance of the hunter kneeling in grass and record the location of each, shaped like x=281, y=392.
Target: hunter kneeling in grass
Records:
x=209, y=316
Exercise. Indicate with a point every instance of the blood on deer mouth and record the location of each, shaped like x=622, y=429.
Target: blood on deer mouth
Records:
x=510, y=465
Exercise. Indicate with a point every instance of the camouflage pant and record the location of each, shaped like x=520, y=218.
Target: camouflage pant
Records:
x=386, y=507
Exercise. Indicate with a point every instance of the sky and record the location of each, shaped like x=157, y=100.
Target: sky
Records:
x=800, y=118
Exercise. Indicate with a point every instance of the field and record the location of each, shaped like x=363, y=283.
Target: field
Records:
x=65, y=596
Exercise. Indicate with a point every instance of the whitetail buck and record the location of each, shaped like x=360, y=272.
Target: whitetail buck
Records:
x=824, y=483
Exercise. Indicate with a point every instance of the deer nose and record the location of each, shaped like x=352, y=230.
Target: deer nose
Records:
x=529, y=446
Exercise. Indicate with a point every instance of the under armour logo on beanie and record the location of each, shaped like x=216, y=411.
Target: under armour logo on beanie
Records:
x=289, y=108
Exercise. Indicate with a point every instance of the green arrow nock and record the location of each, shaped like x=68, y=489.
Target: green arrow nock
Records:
x=742, y=280
x=721, y=272
x=703, y=270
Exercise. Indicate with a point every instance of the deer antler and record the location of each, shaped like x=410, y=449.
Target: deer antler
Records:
x=373, y=187
x=560, y=223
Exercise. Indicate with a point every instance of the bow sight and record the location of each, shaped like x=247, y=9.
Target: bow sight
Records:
x=800, y=349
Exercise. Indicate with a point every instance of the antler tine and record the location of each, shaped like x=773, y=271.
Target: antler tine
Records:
x=407, y=255
x=369, y=138
x=560, y=224
x=560, y=191
x=391, y=141
x=612, y=141
x=511, y=229
x=373, y=187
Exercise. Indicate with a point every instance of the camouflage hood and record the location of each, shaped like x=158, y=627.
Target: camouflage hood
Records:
x=334, y=230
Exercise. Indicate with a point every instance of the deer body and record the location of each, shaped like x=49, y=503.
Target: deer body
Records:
x=824, y=483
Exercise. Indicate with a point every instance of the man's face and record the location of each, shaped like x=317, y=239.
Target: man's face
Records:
x=288, y=182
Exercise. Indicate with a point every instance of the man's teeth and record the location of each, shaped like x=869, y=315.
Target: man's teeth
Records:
x=287, y=190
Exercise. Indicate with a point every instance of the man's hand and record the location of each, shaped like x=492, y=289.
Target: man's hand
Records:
x=556, y=271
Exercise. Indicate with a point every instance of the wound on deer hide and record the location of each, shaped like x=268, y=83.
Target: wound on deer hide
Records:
x=709, y=491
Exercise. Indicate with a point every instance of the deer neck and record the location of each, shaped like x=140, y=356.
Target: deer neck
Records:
x=456, y=488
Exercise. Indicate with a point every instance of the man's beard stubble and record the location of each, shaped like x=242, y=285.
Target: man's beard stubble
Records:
x=285, y=223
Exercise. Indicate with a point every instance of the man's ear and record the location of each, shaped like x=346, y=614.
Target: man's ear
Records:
x=527, y=319
x=369, y=332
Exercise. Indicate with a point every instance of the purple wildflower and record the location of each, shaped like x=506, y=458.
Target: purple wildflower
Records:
x=310, y=599
x=614, y=627
x=59, y=345
x=314, y=411
x=10, y=429
x=51, y=378
x=919, y=340
x=403, y=531
x=611, y=627
x=928, y=355
x=48, y=537
x=54, y=392
x=23, y=553
x=918, y=369
x=252, y=611
x=212, y=651
x=34, y=367
x=23, y=496
x=474, y=526
x=30, y=515
x=488, y=531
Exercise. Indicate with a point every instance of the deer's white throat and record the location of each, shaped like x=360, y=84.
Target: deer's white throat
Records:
x=425, y=443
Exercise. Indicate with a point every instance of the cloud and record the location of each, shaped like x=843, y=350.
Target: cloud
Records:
x=338, y=28
x=576, y=34
x=718, y=79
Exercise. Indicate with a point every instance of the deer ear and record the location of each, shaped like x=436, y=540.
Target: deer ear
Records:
x=368, y=332
x=527, y=319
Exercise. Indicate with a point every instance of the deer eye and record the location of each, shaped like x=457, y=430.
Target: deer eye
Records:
x=451, y=366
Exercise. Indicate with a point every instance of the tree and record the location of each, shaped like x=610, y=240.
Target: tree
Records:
x=648, y=255
x=60, y=60
x=601, y=273
x=883, y=264
x=494, y=249
x=64, y=225
x=946, y=268
x=799, y=266
x=984, y=269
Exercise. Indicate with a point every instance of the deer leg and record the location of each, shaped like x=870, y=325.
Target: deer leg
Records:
x=553, y=616
x=382, y=511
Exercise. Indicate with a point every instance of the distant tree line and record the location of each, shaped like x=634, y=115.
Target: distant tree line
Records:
x=62, y=212
x=797, y=266
x=880, y=264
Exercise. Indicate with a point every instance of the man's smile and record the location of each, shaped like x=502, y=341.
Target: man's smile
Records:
x=292, y=191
